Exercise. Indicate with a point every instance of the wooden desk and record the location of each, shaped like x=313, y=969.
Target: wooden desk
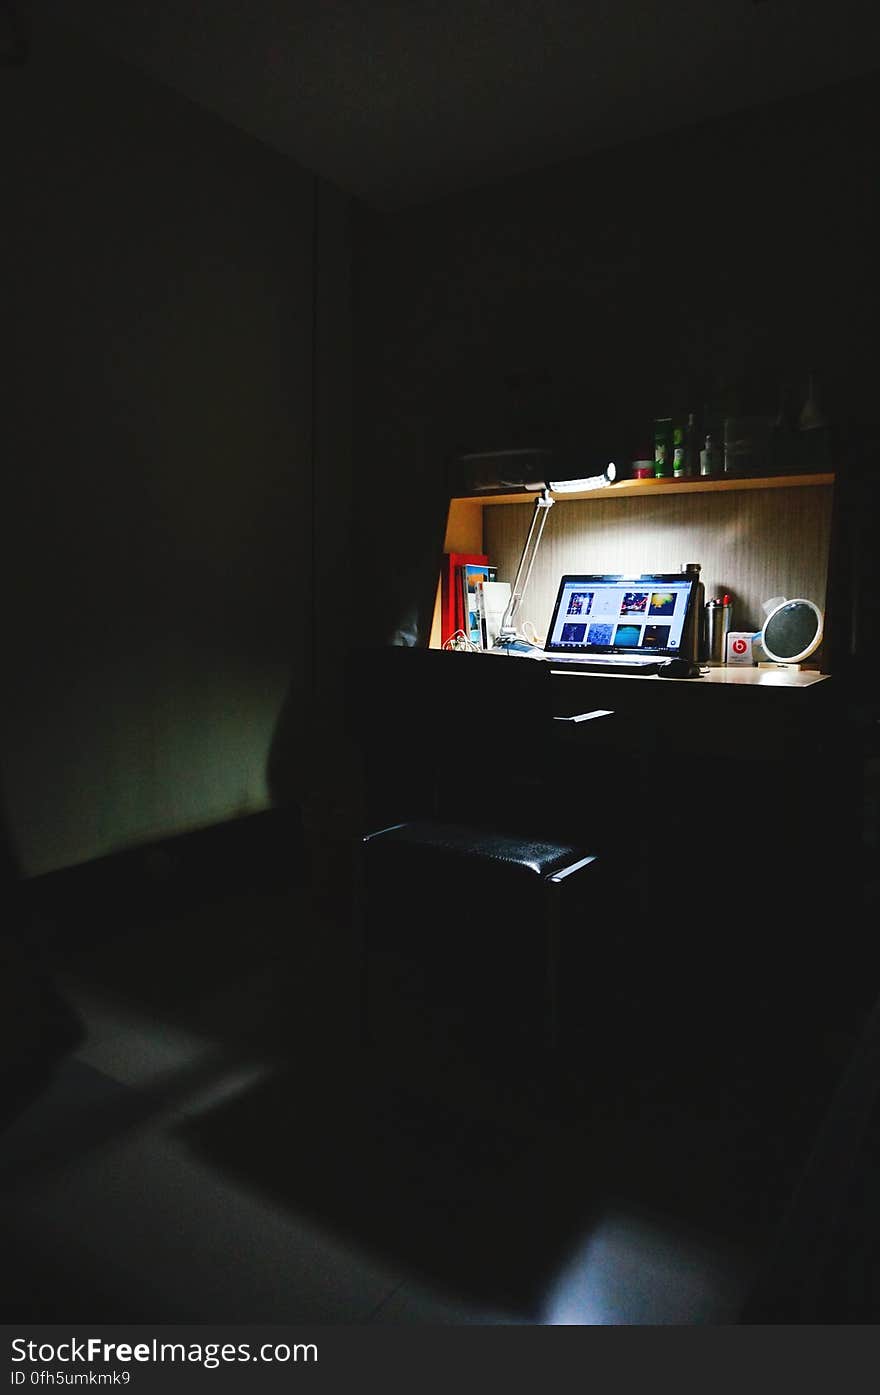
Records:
x=718, y=675
x=460, y=719
x=724, y=811
x=738, y=762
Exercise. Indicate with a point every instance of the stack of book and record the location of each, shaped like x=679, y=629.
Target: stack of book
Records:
x=472, y=600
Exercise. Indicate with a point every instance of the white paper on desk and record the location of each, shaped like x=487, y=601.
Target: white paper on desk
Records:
x=493, y=598
x=587, y=716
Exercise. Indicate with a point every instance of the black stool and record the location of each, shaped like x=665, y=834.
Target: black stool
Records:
x=462, y=933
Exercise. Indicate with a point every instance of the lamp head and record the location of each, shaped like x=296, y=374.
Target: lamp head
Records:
x=529, y=470
x=608, y=476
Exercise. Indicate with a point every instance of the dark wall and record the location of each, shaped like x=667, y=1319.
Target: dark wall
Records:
x=712, y=265
x=159, y=316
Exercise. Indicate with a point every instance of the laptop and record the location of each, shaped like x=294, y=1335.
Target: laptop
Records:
x=629, y=624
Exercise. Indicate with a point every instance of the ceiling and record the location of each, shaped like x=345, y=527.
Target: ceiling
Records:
x=399, y=101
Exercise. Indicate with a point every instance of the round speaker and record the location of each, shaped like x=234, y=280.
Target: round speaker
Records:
x=792, y=631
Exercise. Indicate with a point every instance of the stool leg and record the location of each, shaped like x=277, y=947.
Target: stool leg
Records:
x=551, y=987
x=359, y=884
x=553, y=890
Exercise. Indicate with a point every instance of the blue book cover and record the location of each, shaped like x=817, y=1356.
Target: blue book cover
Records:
x=471, y=574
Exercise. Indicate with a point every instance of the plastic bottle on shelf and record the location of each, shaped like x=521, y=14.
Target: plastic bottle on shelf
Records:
x=813, y=440
x=811, y=417
x=691, y=449
x=663, y=448
x=684, y=450
x=678, y=452
x=781, y=453
x=709, y=457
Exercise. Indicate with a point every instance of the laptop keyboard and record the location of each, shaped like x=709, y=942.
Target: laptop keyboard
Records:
x=603, y=665
x=607, y=662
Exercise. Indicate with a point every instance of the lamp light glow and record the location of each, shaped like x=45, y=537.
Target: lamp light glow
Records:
x=507, y=635
x=608, y=476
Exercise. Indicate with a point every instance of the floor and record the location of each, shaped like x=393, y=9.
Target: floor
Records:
x=220, y=1148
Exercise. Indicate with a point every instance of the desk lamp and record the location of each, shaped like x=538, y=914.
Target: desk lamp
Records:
x=507, y=633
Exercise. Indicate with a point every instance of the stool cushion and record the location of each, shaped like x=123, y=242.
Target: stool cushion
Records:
x=533, y=857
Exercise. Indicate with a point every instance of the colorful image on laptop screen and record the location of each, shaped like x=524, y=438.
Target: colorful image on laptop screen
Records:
x=620, y=614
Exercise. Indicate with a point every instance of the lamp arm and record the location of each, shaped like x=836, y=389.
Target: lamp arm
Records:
x=543, y=504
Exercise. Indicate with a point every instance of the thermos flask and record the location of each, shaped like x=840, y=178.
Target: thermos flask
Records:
x=717, y=625
x=693, y=641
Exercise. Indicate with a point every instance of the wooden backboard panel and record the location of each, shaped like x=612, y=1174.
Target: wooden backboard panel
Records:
x=753, y=544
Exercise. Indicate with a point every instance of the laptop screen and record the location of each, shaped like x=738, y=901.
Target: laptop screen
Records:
x=620, y=614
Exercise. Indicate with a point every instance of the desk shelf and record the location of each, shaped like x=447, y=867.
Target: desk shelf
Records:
x=464, y=528
x=711, y=484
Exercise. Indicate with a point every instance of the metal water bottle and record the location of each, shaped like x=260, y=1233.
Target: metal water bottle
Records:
x=717, y=625
x=693, y=641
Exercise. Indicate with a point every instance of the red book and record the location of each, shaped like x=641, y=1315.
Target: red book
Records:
x=452, y=616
